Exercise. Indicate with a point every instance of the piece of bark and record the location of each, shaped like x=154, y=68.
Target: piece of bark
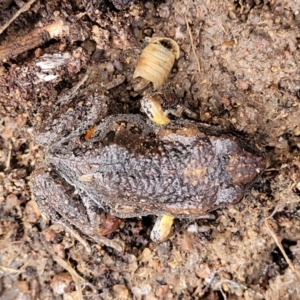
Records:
x=37, y=37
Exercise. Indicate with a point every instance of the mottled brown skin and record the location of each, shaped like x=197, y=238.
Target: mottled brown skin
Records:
x=129, y=168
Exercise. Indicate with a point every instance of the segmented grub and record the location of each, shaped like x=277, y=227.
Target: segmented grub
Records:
x=156, y=62
x=151, y=106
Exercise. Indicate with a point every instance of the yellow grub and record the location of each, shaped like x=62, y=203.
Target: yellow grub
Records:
x=152, y=108
x=156, y=61
x=162, y=228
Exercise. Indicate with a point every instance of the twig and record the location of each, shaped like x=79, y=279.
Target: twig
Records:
x=24, y=8
x=16, y=255
x=273, y=235
x=16, y=271
x=13, y=271
x=222, y=292
x=74, y=89
x=77, y=279
x=192, y=43
x=39, y=36
x=209, y=282
x=235, y=284
x=7, y=163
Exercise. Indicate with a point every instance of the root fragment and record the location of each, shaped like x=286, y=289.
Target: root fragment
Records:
x=35, y=38
x=24, y=8
x=273, y=235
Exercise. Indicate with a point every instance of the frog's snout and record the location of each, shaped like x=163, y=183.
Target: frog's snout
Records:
x=245, y=168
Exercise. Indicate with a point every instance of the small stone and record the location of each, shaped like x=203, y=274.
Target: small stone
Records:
x=22, y=286
x=32, y=211
x=62, y=283
x=142, y=290
x=120, y=291
x=146, y=255
x=193, y=228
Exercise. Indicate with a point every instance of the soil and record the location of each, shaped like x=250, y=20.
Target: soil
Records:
x=238, y=69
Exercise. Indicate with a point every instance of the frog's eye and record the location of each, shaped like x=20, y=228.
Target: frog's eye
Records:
x=156, y=62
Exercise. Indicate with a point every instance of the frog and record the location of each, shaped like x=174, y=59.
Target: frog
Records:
x=130, y=167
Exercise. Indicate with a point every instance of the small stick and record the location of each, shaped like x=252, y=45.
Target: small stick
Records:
x=76, y=278
x=33, y=39
x=74, y=89
x=24, y=8
x=192, y=43
x=273, y=235
x=7, y=164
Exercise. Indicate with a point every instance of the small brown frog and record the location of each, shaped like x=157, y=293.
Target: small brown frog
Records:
x=131, y=169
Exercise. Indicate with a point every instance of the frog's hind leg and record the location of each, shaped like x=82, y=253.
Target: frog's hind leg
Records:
x=59, y=203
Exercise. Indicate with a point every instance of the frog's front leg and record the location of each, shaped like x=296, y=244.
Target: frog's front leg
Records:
x=59, y=203
x=61, y=121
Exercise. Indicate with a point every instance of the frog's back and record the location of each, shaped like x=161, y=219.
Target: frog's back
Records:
x=179, y=171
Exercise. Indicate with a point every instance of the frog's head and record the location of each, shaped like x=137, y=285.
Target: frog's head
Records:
x=244, y=167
